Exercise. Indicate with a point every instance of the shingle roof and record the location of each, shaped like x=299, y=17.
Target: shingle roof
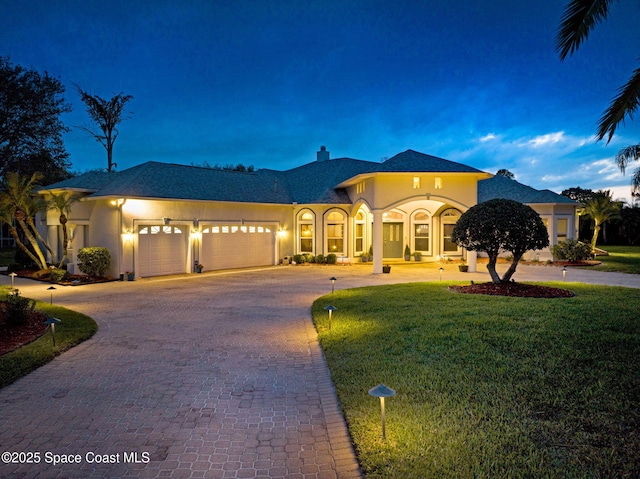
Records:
x=414, y=161
x=502, y=187
x=315, y=182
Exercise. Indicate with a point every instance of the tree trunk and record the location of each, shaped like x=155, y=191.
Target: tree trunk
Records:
x=65, y=239
x=512, y=269
x=596, y=232
x=32, y=225
x=39, y=259
x=491, y=267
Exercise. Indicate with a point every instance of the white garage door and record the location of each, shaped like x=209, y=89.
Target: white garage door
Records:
x=162, y=250
x=235, y=246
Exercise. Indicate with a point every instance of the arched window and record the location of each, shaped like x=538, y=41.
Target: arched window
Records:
x=421, y=231
x=449, y=219
x=305, y=231
x=334, y=227
x=360, y=232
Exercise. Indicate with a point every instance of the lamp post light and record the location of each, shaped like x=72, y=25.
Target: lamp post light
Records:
x=381, y=391
x=331, y=309
x=441, y=270
x=51, y=288
x=564, y=273
x=333, y=283
x=13, y=275
x=52, y=322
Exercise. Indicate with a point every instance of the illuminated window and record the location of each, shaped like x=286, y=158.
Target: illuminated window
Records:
x=305, y=232
x=334, y=228
x=421, y=231
x=561, y=229
x=438, y=183
x=416, y=182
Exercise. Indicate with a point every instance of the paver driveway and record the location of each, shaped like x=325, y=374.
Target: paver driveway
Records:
x=203, y=376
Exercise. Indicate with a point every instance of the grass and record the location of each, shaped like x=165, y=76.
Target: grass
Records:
x=488, y=386
x=624, y=259
x=74, y=329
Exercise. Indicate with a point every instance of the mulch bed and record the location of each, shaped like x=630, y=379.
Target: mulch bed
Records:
x=519, y=290
x=14, y=336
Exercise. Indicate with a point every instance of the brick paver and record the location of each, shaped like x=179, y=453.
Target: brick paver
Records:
x=199, y=376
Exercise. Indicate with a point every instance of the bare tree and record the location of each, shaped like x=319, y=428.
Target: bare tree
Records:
x=107, y=114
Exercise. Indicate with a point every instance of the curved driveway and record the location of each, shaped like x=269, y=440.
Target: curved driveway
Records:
x=218, y=375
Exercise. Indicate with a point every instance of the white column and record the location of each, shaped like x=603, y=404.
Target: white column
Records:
x=378, y=241
x=472, y=261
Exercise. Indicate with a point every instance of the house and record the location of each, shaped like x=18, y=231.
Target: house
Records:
x=159, y=218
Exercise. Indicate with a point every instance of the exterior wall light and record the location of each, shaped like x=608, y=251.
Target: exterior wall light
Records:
x=381, y=391
x=127, y=236
x=333, y=283
x=330, y=309
x=282, y=233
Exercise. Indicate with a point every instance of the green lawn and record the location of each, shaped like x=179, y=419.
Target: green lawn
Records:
x=625, y=259
x=488, y=387
x=74, y=329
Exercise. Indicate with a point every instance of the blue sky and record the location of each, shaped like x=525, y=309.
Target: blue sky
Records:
x=267, y=82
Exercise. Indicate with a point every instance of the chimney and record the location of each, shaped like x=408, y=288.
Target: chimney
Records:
x=323, y=154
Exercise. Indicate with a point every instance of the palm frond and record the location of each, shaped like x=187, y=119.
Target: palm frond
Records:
x=627, y=154
x=579, y=18
x=623, y=105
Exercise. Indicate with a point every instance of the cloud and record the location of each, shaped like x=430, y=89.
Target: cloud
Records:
x=549, y=138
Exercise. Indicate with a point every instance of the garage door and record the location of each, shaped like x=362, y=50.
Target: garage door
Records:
x=162, y=250
x=235, y=246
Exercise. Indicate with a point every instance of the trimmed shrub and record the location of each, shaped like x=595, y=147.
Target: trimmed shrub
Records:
x=57, y=275
x=309, y=258
x=298, y=258
x=332, y=258
x=571, y=250
x=320, y=259
x=94, y=261
x=18, y=308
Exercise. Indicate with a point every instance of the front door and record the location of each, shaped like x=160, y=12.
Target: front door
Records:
x=392, y=236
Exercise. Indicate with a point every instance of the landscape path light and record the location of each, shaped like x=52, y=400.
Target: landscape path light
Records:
x=52, y=322
x=333, y=283
x=13, y=275
x=564, y=273
x=331, y=309
x=441, y=270
x=381, y=391
x=51, y=288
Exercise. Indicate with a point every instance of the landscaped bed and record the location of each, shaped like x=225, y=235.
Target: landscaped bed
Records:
x=25, y=347
x=488, y=386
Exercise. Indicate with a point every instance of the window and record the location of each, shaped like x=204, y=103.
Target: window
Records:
x=305, y=232
x=416, y=182
x=449, y=220
x=334, y=228
x=561, y=229
x=421, y=232
x=360, y=231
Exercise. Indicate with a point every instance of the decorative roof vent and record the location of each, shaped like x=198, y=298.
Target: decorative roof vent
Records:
x=323, y=154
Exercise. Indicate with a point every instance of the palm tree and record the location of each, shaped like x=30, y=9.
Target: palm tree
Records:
x=62, y=203
x=107, y=114
x=601, y=208
x=578, y=20
x=18, y=202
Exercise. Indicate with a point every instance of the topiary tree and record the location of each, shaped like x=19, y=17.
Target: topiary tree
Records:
x=497, y=226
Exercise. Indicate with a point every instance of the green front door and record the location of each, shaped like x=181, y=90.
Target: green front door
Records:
x=392, y=236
